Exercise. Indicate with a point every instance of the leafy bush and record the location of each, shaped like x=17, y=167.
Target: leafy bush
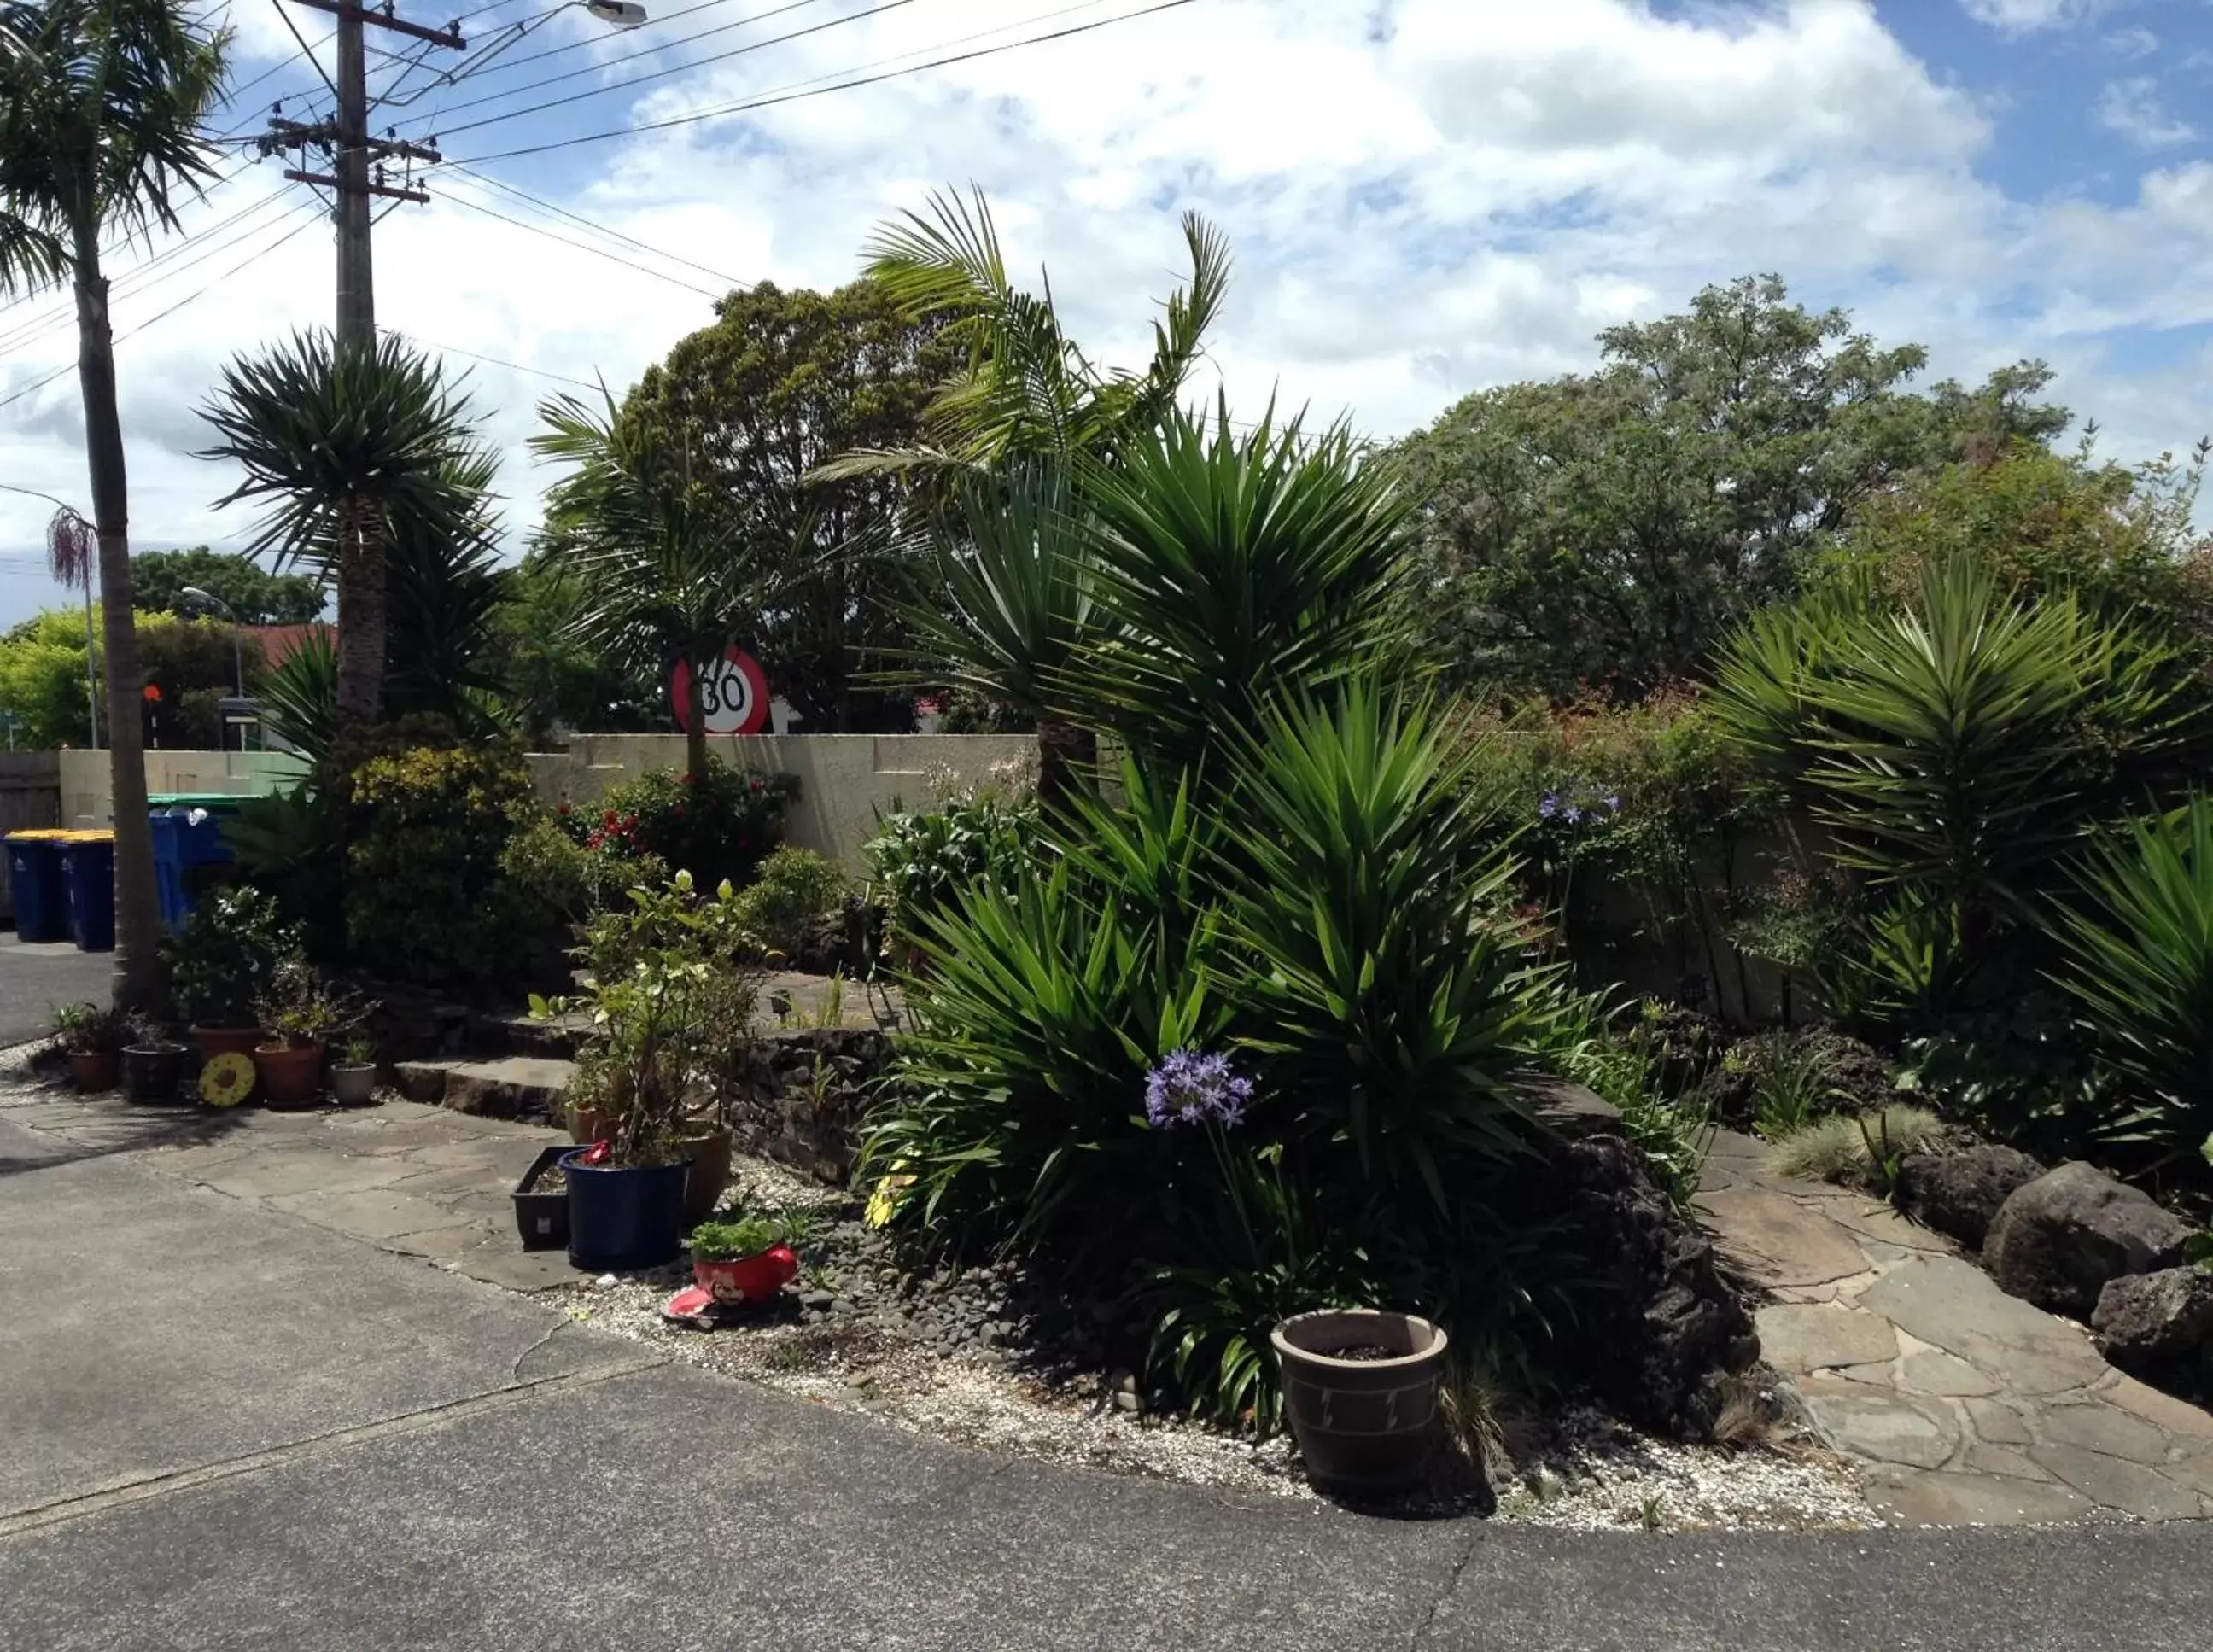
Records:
x=797, y=891
x=718, y=824
x=91, y=1028
x=2139, y=948
x=546, y=870
x=226, y=956
x=428, y=828
x=919, y=863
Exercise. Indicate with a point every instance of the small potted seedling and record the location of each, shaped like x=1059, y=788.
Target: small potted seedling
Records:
x=747, y=1260
x=153, y=1063
x=94, y=1038
x=353, y=1075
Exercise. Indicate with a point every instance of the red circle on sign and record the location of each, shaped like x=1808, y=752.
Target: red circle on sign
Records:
x=737, y=695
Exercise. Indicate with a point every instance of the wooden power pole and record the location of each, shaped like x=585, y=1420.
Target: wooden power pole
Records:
x=357, y=160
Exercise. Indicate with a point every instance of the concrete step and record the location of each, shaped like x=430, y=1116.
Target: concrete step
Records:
x=531, y=1088
x=516, y=1034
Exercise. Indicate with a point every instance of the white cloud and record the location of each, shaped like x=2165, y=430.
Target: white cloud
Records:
x=2023, y=16
x=2132, y=108
x=1460, y=196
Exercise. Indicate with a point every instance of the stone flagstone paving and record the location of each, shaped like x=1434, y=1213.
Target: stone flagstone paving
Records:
x=1962, y=1405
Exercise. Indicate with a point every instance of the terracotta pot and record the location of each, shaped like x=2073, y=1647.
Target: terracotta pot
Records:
x=748, y=1278
x=709, y=1152
x=589, y=1124
x=226, y=1040
x=98, y=1069
x=291, y=1074
x=353, y=1086
x=1363, y=1425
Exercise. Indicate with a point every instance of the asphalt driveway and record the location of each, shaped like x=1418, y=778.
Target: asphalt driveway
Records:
x=36, y=976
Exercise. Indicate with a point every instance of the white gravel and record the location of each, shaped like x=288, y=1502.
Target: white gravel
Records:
x=1581, y=1470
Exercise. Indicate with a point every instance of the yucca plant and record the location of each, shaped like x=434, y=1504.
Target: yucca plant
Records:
x=1227, y=566
x=2139, y=949
x=348, y=445
x=1386, y=986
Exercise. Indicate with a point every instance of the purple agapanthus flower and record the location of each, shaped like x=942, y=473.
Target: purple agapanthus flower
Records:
x=1549, y=806
x=1189, y=1087
x=1612, y=801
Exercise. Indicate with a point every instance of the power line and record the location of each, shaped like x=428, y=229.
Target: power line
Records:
x=581, y=247
x=617, y=234
x=304, y=50
x=841, y=86
x=132, y=332
x=464, y=71
x=657, y=74
x=489, y=361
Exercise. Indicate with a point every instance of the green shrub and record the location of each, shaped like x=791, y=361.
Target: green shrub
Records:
x=1839, y=1147
x=919, y=863
x=548, y=874
x=2139, y=951
x=429, y=826
x=796, y=890
x=226, y=956
x=721, y=823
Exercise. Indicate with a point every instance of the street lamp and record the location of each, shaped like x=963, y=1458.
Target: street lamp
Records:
x=237, y=651
x=616, y=14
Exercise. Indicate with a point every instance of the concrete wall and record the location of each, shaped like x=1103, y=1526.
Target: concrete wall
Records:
x=88, y=800
x=844, y=780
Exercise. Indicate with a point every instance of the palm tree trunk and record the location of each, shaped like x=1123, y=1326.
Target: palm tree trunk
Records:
x=695, y=712
x=361, y=618
x=137, y=903
x=1066, y=753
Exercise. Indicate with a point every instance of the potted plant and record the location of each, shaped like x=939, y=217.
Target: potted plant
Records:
x=153, y=1066
x=1360, y=1388
x=301, y=1012
x=353, y=1075
x=221, y=961
x=542, y=1200
x=706, y=1144
x=747, y=1261
x=94, y=1038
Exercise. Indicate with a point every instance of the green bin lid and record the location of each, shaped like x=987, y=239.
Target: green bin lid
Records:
x=195, y=799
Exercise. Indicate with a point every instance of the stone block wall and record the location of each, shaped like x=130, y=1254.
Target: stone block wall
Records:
x=802, y=1099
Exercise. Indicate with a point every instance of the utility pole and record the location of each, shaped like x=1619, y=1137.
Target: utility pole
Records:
x=356, y=159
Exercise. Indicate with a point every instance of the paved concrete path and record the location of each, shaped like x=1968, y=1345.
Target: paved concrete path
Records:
x=1965, y=1405
x=35, y=977
x=234, y=1428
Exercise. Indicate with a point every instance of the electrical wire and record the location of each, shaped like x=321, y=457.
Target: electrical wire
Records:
x=581, y=247
x=653, y=75
x=769, y=101
x=160, y=315
x=306, y=51
x=616, y=235
x=463, y=71
x=489, y=361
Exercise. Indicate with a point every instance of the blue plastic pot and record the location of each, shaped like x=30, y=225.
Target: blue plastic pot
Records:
x=623, y=1220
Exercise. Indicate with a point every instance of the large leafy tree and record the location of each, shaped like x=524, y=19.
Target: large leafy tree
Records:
x=1606, y=529
x=101, y=110
x=663, y=566
x=553, y=677
x=250, y=591
x=350, y=447
x=779, y=385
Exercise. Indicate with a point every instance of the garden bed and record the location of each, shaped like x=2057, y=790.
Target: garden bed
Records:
x=989, y=1360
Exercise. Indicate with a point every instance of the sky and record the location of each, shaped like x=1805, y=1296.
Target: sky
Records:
x=1425, y=198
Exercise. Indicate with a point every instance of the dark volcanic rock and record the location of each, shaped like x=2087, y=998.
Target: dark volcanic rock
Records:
x=1961, y=1193
x=2158, y=1327
x=2057, y=1240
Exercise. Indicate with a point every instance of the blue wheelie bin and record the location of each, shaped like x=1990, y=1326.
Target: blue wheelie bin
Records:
x=89, y=868
x=169, y=867
x=34, y=871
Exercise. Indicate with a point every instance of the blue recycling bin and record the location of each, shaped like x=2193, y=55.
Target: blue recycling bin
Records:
x=34, y=870
x=89, y=868
x=168, y=829
x=201, y=816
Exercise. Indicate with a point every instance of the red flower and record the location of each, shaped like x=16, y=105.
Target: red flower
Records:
x=565, y=811
x=609, y=819
x=754, y=785
x=689, y=778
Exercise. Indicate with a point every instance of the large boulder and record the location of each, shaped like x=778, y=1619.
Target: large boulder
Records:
x=2057, y=1240
x=1657, y=1328
x=2158, y=1327
x=1961, y=1193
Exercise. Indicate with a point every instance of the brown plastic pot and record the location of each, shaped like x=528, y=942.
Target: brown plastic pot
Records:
x=710, y=1153
x=291, y=1074
x=1364, y=1426
x=98, y=1069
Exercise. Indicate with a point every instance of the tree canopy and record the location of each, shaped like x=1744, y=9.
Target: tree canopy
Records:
x=1605, y=529
x=255, y=596
x=780, y=384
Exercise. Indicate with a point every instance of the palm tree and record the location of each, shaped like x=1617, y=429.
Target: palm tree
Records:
x=1013, y=444
x=101, y=105
x=352, y=445
x=663, y=563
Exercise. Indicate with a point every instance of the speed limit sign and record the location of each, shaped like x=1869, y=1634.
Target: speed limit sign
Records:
x=736, y=695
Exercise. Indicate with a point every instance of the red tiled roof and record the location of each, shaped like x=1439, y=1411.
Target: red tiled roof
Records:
x=278, y=642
